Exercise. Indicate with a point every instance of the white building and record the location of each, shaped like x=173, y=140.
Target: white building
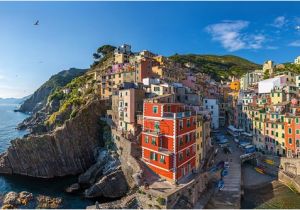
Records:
x=212, y=105
x=297, y=81
x=297, y=60
x=251, y=78
x=148, y=81
x=267, y=85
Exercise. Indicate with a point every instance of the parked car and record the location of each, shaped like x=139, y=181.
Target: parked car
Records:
x=249, y=149
x=226, y=164
x=236, y=140
x=243, y=144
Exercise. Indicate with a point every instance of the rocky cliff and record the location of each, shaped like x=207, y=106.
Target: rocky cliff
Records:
x=67, y=150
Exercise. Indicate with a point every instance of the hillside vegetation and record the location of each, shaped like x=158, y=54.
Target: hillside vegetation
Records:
x=39, y=98
x=219, y=67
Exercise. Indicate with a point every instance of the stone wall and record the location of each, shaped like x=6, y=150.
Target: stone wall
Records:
x=192, y=192
x=290, y=165
x=288, y=180
x=128, y=153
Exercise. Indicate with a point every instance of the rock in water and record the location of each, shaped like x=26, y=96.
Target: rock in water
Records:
x=11, y=199
x=68, y=150
x=46, y=202
x=73, y=188
x=113, y=185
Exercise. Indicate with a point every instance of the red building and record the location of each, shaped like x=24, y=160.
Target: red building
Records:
x=168, y=139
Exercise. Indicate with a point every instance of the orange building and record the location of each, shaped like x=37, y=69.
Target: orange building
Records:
x=168, y=139
x=290, y=130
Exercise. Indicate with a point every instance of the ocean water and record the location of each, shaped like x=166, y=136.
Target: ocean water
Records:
x=51, y=187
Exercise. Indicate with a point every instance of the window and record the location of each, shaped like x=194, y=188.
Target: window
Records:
x=180, y=124
x=290, y=141
x=146, y=139
x=297, y=120
x=180, y=156
x=290, y=130
x=162, y=158
x=297, y=142
x=156, y=89
x=188, y=123
x=187, y=138
x=283, y=144
x=272, y=132
x=180, y=141
x=188, y=152
x=156, y=126
x=126, y=104
x=155, y=109
x=282, y=135
x=297, y=131
x=153, y=156
x=153, y=142
x=276, y=134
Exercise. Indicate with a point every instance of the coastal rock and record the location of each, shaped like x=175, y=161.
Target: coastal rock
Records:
x=11, y=199
x=73, y=188
x=106, y=163
x=90, y=176
x=68, y=150
x=113, y=185
x=46, y=202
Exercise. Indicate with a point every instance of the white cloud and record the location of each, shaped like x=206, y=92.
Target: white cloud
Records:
x=230, y=35
x=279, y=22
x=295, y=43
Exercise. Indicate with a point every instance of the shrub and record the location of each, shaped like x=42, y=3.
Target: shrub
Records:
x=161, y=201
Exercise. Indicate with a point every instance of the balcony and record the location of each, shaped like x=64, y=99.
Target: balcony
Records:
x=152, y=132
x=178, y=114
x=164, y=151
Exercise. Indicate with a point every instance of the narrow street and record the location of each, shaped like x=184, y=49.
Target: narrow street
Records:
x=230, y=195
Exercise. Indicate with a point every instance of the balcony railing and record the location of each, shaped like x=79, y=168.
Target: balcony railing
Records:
x=152, y=132
x=178, y=114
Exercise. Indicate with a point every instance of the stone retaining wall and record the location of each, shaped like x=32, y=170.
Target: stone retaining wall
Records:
x=288, y=180
x=128, y=152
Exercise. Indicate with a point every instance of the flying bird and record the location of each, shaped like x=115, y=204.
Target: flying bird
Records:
x=37, y=23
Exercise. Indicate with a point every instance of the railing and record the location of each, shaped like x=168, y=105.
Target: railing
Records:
x=178, y=114
x=152, y=132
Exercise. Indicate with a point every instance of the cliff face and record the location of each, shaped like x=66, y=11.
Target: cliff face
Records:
x=39, y=97
x=67, y=150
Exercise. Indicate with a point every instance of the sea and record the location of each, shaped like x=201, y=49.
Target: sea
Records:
x=50, y=187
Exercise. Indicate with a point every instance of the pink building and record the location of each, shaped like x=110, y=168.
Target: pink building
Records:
x=190, y=81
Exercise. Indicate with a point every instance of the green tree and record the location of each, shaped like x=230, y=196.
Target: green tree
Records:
x=266, y=74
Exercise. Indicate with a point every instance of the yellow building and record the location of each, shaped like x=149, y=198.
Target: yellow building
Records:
x=160, y=59
x=235, y=85
x=109, y=82
x=158, y=70
x=199, y=139
x=277, y=96
x=121, y=58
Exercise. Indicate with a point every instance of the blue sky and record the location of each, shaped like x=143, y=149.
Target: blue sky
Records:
x=69, y=32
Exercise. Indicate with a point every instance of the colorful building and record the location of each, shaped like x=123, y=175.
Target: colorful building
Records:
x=169, y=139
